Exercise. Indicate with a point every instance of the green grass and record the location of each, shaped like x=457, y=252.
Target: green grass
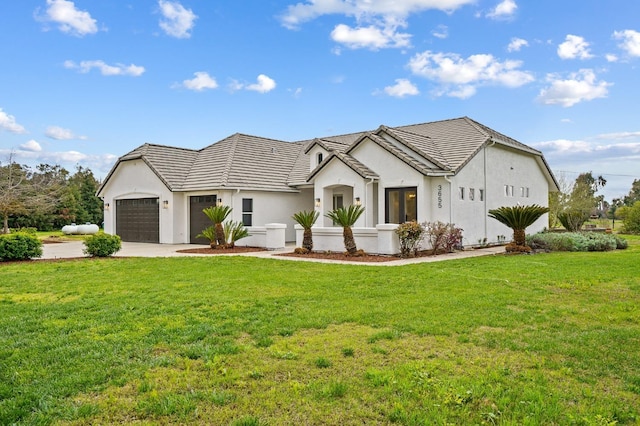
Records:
x=544, y=339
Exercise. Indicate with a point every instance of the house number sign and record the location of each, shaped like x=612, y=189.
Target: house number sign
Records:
x=439, y=196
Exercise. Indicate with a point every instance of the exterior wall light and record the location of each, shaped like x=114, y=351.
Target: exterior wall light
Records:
x=358, y=202
x=165, y=204
x=317, y=202
x=219, y=203
x=107, y=206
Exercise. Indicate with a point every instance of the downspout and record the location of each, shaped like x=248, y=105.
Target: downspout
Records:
x=486, y=193
x=365, y=199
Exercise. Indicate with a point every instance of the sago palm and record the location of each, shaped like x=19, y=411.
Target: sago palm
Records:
x=306, y=220
x=346, y=217
x=217, y=215
x=518, y=218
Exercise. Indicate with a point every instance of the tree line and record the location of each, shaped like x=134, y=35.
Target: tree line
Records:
x=47, y=197
x=576, y=202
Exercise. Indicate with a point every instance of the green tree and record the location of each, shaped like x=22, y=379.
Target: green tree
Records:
x=307, y=219
x=632, y=219
x=347, y=217
x=217, y=215
x=518, y=218
x=574, y=204
x=634, y=194
x=26, y=192
x=84, y=186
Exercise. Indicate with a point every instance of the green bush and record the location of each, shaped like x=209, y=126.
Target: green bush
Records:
x=575, y=241
x=102, y=245
x=19, y=246
x=632, y=219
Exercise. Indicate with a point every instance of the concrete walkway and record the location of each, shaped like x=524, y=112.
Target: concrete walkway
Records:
x=73, y=249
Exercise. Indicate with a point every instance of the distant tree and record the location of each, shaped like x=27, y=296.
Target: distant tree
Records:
x=85, y=186
x=632, y=219
x=614, y=210
x=574, y=204
x=634, y=194
x=27, y=192
x=558, y=201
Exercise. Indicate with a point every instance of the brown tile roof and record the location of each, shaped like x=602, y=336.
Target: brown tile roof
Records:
x=250, y=162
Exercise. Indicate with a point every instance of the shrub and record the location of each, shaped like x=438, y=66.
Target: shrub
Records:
x=234, y=231
x=573, y=220
x=410, y=235
x=20, y=246
x=443, y=236
x=632, y=219
x=575, y=241
x=102, y=245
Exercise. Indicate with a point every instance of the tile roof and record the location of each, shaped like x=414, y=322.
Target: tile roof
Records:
x=250, y=162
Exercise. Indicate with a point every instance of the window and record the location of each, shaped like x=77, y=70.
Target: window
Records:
x=461, y=193
x=472, y=194
x=508, y=190
x=401, y=205
x=527, y=192
x=318, y=158
x=247, y=211
x=522, y=191
x=481, y=194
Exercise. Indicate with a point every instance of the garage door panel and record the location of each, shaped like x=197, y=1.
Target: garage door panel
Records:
x=138, y=220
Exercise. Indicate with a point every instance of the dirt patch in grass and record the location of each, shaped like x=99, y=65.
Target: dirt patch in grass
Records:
x=209, y=250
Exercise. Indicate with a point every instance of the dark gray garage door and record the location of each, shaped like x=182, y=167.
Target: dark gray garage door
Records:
x=138, y=220
x=198, y=220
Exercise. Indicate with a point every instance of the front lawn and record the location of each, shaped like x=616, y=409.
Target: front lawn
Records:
x=543, y=339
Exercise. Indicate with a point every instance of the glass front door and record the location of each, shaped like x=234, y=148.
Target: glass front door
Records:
x=401, y=205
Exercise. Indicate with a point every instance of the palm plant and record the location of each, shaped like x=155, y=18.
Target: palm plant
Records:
x=210, y=234
x=307, y=219
x=518, y=218
x=346, y=217
x=217, y=215
x=233, y=231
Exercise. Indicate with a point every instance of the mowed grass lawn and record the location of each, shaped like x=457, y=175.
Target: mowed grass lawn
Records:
x=543, y=339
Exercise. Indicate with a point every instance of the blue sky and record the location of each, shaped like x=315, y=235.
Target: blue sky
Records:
x=83, y=82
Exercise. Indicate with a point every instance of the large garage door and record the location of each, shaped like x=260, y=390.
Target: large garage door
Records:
x=138, y=220
x=198, y=220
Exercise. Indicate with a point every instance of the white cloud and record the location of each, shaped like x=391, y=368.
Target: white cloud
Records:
x=8, y=123
x=441, y=32
x=59, y=133
x=178, y=21
x=402, y=88
x=460, y=77
x=504, y=9
x=611, y=57
x=105, y=69
x=31, y=146
x=365, y=10
x=371, y=37
x=377, y=22
x=579, y=87
x=516, y=44
x=68, y=159
x=200, y=82
x=69, y=19
x=630, y=41
x=574, y=47
x=263, y=85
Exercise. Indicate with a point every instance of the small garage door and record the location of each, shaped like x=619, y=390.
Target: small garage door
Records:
x=138, y=220
x=198, y=220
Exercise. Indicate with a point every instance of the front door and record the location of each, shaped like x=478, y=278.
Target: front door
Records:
x=401, y=205
x=198, y=221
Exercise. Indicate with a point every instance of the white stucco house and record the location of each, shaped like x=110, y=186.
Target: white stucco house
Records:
x=452, y=171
